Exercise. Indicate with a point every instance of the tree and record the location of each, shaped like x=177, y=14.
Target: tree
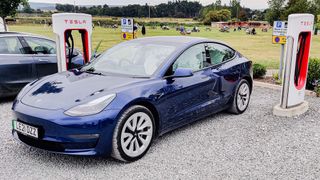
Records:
x=218, y=4
x=315, y=10
x=235, y=8
x=181, y=8
x=217, y=15
x=297, y=6
x=9, y=8
x=27, y=8
x=243, y=15
x=275, y=11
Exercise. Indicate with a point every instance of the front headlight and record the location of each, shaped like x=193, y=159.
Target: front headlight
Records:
x=92, y=107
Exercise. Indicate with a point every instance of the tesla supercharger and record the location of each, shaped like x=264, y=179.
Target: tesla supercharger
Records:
x=299, y=34
x=63, y=25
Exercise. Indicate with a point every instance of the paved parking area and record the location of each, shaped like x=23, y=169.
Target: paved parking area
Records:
x=254, y=145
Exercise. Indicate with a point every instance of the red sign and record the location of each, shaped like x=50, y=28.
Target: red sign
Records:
x=75, y=21
x=306, y=23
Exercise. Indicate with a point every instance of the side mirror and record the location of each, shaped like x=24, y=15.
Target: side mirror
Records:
x=182, y=72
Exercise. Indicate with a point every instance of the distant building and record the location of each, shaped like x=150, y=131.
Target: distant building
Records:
x=255, y=24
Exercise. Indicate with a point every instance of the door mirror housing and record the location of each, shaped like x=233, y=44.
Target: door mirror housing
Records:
x=182, y=72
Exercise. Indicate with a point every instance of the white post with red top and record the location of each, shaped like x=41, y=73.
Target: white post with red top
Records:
x=67, y=22
x=299, y=35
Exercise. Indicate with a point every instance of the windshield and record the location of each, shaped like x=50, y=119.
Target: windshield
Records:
x=133, y=59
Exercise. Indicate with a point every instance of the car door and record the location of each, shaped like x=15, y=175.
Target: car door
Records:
x=186, y=98
x=223, y=67
x=44, y=54
x=16, y=67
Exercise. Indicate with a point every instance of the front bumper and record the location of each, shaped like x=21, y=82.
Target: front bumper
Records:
x=59, y=133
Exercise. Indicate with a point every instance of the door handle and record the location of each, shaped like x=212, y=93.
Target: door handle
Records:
x=43, y=60
x=206, y=78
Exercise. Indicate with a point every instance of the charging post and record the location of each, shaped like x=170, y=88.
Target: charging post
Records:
x=63, y=25
x=292, y=103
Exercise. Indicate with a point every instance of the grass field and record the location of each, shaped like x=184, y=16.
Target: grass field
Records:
x=257, y=48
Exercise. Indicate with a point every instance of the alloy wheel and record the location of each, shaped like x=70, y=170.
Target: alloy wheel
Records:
x=243, y=96
x=136, y=134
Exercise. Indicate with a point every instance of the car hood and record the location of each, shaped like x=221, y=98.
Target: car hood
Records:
x=68, y=89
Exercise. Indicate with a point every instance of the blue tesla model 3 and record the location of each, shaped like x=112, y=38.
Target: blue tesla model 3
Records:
x=130, y=94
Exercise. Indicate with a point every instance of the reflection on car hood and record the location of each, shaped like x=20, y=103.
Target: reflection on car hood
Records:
x=67, y=89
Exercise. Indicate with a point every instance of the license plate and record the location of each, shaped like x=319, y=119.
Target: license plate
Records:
x=25, y=129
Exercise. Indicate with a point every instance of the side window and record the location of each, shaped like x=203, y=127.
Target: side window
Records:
x=10, y=45
x=219, y=53
x=193, y=58
x=41, y=46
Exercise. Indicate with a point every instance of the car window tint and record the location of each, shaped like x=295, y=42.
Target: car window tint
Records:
x=219, y=53
x=10, y=45
x=192, y=58
x=41, y=46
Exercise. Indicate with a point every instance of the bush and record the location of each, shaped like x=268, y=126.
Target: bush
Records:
x=259, y=71
x=313, y=73
x=317, y=88
x=276, y=78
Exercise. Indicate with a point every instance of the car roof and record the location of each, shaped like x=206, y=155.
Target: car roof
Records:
x=10, y=34
x=182, y=41
x=171, y=39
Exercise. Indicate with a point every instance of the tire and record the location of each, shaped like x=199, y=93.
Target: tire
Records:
x=133, y=134
x=241, y=98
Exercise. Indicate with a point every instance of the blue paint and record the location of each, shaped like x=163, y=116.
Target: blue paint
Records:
x=177, y=100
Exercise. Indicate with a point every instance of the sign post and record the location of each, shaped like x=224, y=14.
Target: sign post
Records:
x=279, y=37
x=292, y=103
x=127, y=31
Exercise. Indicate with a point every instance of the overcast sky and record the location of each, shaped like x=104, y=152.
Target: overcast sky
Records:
x=254, y=4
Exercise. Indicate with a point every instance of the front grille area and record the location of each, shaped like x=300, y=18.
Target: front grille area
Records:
x=50, y=146
x=55, y=146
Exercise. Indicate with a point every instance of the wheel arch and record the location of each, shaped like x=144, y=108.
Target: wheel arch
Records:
x=250, y=81
x=147, y=104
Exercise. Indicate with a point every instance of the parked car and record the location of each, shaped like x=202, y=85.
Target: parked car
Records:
x=130, y=94
x=25, y=58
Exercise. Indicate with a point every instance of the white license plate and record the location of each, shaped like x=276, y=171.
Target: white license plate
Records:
x=25, y=129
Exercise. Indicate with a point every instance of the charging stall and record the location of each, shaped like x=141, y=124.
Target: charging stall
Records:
x=299, y=35
x=63, y=25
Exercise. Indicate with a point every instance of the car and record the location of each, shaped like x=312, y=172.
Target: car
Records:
x=131, y=94
x=25, y=58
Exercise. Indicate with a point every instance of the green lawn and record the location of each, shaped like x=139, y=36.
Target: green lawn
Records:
x=257, y=48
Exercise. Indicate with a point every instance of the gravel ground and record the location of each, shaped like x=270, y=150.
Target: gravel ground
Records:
x=254, y=145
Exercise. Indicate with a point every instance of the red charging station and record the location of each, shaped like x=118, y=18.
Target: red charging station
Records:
x=64, y=24
x=299, y=35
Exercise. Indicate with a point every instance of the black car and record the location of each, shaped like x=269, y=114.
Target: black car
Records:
x=25, y=58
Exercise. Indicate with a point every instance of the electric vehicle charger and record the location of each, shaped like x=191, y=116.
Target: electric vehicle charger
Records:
x=292, y=103
x=63, y=25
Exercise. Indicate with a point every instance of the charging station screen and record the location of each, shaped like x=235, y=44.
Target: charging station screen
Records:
x=301, y=69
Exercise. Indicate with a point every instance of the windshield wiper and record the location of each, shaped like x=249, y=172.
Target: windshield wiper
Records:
x=144, y=77
x=92, y=71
